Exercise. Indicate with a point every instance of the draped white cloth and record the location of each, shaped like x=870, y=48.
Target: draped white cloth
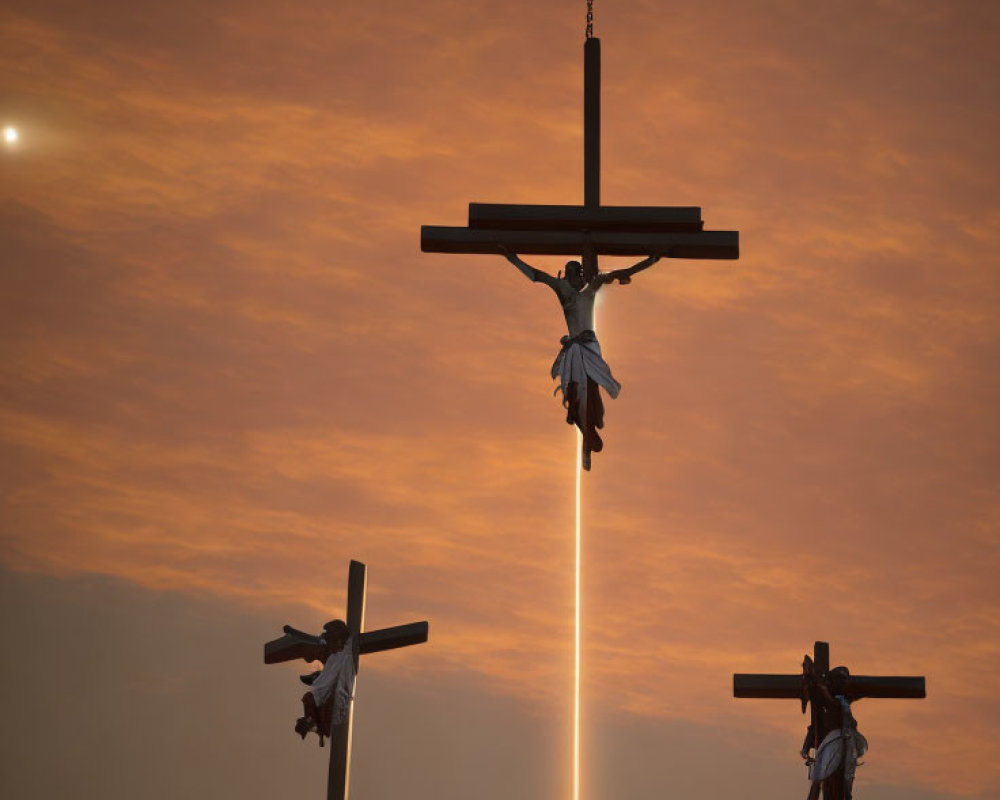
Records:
x=337, y=680
x=830, y=754
x=580, y=358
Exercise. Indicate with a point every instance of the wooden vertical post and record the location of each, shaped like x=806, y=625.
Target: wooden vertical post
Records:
x=338, y=782
x=821, y=658
x=592, y=123
x=357, y=583
x=591, y=144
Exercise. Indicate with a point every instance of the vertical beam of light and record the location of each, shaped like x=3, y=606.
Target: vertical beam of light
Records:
x=576, y=678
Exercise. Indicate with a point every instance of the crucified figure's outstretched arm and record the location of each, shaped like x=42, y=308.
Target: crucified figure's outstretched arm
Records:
x=624, y=276
x=532, y=274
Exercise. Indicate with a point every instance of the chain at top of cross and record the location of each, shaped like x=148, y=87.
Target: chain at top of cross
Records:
x=590, y=19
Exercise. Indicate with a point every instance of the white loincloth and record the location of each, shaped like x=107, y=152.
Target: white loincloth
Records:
x=336, y=679
x=579, y=359
x=831, y=752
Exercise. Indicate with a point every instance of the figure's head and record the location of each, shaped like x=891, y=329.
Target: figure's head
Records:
x=838, y=680
x=335, y=633
x=574, y=274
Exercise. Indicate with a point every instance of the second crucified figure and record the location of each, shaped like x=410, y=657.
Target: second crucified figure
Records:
x=580, y=367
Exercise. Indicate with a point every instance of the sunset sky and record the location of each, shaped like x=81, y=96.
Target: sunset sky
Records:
x=227, y=369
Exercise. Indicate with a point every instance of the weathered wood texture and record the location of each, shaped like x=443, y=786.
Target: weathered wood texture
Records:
x=631, y=219
x=339, y=775
x=293, y=645
x=592, y=123
x=391, y=638
x=297, y=644
x=723, y=245
x=821, y=657
x=357, y=583
x=790, y=686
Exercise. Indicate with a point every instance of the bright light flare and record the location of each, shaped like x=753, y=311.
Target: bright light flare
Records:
x=10, y=135
x=576, y=649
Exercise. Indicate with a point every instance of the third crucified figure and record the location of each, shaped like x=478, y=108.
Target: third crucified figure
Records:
x=580, y=367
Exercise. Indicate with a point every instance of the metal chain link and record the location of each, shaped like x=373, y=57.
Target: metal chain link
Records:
x=590, y=19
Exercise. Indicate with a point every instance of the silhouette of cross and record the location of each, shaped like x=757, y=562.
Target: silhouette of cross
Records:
x=297, y=644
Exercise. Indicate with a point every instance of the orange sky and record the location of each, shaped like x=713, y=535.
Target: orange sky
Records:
x=228, y=369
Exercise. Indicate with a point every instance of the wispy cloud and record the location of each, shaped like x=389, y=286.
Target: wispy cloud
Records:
x=227, y=367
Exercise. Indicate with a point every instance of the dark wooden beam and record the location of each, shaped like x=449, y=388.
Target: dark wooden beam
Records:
x=391, y=638
x=297, y=644
x=790, y=686
x=703, y=244
x=821, y=657
x=592, y=123
x=771, y=686
x=357, y=582
x=629, y=219
x=293, y=645
x=899, y=686
x=339, y=774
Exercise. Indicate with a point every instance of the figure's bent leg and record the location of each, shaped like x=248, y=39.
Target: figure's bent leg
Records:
x=586, y=425
x=833, y=787
x=595, y=415
x=594, y=420
x=324, y=718
x=571, y=399
x=309, y=709
x=303, y=726
x=310, y=719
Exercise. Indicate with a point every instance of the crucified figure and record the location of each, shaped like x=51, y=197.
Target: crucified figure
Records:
x=328, y=701
x=833, y=735
x=580, y=367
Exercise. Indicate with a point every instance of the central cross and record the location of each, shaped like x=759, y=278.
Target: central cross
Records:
x=591, y=229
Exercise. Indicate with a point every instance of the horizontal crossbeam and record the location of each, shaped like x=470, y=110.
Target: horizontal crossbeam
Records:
x=293, y=645
x=704, y=244
x=391, y=638
x=790, y=686
x=297, y=644
x=630, y=219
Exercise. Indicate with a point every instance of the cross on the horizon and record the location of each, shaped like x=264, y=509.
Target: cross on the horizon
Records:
x=296, y=644
x=591, y=229
x=827, y=694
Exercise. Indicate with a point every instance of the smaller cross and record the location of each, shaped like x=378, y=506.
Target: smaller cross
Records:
x=827, y=694
x=296, y=644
